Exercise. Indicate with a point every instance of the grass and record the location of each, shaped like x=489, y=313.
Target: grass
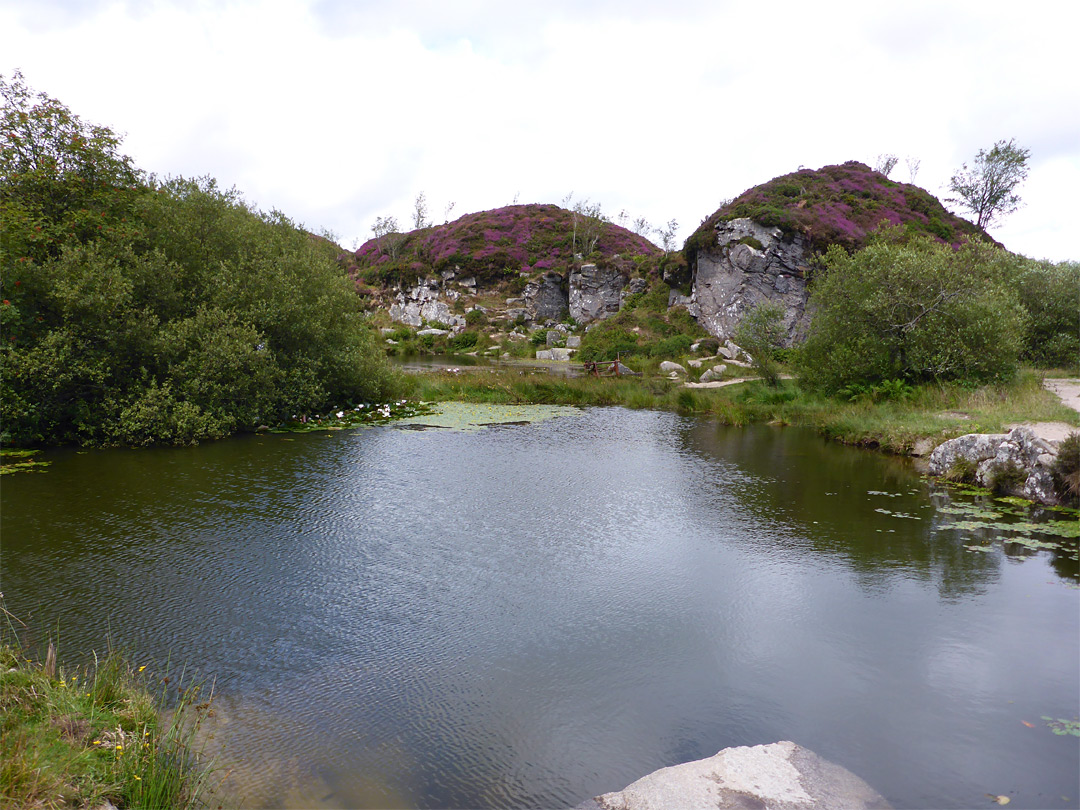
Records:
x=930, y=412
x=84, y=737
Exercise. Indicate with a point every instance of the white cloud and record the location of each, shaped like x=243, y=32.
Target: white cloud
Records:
x=336, y=112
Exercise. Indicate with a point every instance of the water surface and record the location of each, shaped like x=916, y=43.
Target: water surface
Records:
x=526, y=616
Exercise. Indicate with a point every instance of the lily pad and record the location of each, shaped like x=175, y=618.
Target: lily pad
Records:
x=467, y=416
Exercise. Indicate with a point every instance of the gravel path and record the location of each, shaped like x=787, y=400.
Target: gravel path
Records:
x=1069, y=393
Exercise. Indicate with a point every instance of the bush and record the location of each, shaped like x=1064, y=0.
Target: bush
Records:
x=1066, y=469
x=463, y=341
x=913, y=310
x=1051, y=295
x=1006, y=478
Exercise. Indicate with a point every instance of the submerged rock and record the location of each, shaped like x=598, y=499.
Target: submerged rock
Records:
x=780, y=776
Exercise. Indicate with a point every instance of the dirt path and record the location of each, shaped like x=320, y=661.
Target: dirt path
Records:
x=1069, y=393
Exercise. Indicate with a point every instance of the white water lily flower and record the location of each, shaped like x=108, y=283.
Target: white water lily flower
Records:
x=340, y=414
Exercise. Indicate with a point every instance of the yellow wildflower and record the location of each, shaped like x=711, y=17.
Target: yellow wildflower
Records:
x=142, y=667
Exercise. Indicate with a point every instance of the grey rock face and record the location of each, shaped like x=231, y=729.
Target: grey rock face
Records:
x=422, y=303
x=595, y=293
x=989, y=452
x=781, y=776
x=545, y=298
x=734, y=277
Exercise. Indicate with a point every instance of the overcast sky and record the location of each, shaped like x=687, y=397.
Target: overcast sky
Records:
x=338, y=111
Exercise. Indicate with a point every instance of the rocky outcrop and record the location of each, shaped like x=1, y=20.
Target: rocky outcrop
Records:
x=780, y=776
x=424, y=303
x=595, y=292
x=750, y=264
x=991, y=454
x=545, y=298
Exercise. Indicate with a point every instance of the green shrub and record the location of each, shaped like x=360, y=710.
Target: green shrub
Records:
x=761, y=332
x=1051, y=295
x=1066, y=469
x=463, y=341
x=476, y=317
x=1006, y=478
x=913, y=310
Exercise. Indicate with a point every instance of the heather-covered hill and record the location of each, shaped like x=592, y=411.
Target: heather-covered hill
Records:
x=841, y=205
x=497, y=245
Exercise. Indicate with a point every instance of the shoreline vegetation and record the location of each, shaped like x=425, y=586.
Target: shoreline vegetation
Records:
x=907, y=422
x=106, y=735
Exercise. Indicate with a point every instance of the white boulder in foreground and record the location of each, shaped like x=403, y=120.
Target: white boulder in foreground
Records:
x=780, y=776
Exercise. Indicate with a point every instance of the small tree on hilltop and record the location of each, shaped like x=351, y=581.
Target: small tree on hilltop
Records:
x=387, y=235
x=987, y=189
x=885, y=163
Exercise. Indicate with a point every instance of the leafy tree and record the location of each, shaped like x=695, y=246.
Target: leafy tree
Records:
x=761, y=333
x=388, y=235
x=1051, y=295
x=137, y=311
x=913, y=310
x=987, y=189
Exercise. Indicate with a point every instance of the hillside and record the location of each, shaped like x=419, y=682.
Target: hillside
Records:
x=498, y=245
x=840, y=204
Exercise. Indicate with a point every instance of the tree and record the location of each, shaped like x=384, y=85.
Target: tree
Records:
x=987, y=189
x=667, y=235
x=420, y=212
x=885, y=163
x=913, y=310
x=913, y=164
x=387, y=235
x=761, y=333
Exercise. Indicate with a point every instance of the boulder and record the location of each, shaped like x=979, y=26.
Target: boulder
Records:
x=595, y=293
x=750, y=264
x=780, y=776
x=562, y=355
x=668, y=367
x=544, y=354
x=989, y=452
x=713, y=374
x=553, y=336
x=436, y=332
x=573, y=341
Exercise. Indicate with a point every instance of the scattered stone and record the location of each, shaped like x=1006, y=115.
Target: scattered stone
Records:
x=544, y=354
x=573, y=342
x=562, y=355
x=782, y=775
x=712, y=375
x=668, y=367
x=553, y=337
x=694, y=363
x=433, y=331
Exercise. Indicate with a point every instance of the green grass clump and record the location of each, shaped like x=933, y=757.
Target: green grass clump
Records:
x=85, y=737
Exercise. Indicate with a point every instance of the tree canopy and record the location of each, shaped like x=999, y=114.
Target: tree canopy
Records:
x=988, y=188
x=915, y=310
x=137, y=311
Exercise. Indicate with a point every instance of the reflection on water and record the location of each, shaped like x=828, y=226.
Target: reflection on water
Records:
x=531, y=615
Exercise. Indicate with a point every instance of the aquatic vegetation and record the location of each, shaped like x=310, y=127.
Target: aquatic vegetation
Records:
x=13, y=460
x=467, y=416
x=356, y=416
x=1063, y=727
